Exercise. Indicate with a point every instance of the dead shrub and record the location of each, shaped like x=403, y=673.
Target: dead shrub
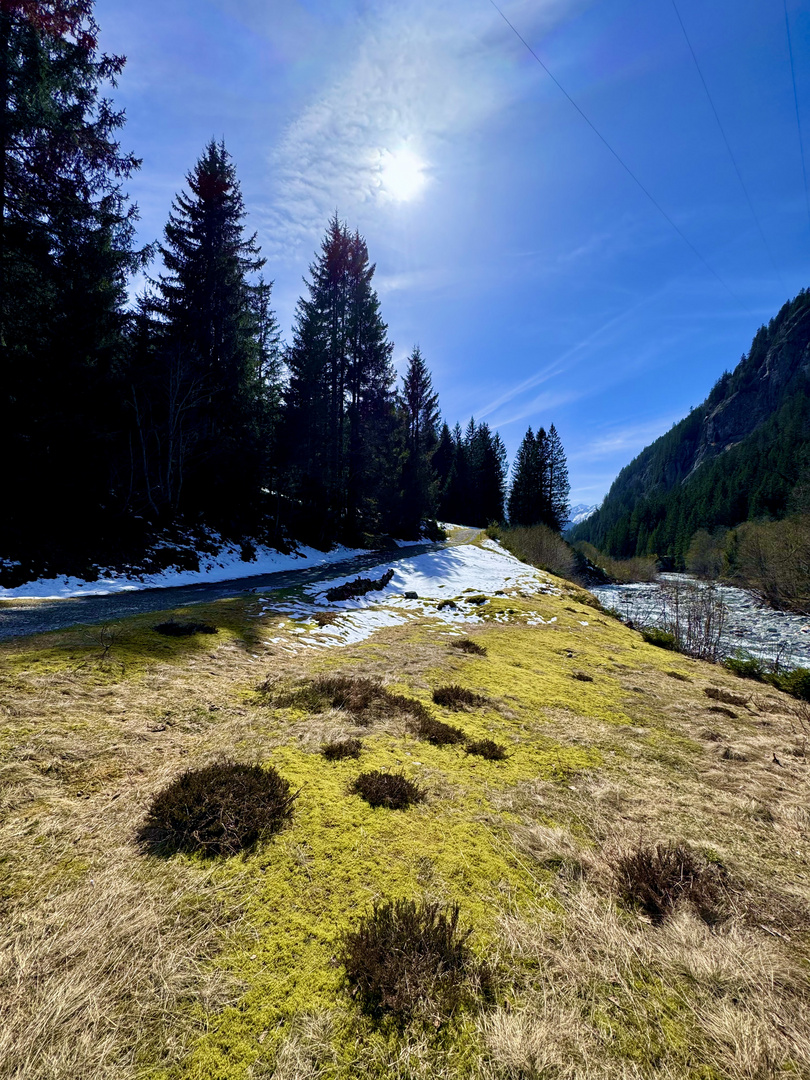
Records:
x=410, y=961
x=342, y=748
x=436, y=732
x=365, y=699
x=658, y=877
x=184, y=629
x=487, y=748
x=394, y=791
x=217, y=810
x=457, y=698
x=716, y=694
x=729, y=754
x=359, y=587
x=467, y=645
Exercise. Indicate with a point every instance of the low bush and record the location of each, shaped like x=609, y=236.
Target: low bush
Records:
x=436, y=732
x=219, y=809
x=184, y=629
x=365, y=699
x=466, y=645
x=410, y=961
x=457, y=698
x=540, y=546
x=450, y=604
x=746, y=667
x=488, y=749
x=359, y=587
x=658, y=877
x=795, y=682
x=342, y=748
x=478, y=600
x=394, y=791
x=662, y=638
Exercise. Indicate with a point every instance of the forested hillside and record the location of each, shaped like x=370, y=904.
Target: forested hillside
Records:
x=740, y=456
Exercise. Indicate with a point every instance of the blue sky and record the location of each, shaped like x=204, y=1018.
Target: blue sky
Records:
x=540, y=282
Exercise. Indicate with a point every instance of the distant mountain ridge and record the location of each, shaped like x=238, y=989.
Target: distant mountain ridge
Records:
x=738, y=456
x=580, y=512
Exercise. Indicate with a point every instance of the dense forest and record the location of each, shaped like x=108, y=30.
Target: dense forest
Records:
x=184, y=408
x=741, y=456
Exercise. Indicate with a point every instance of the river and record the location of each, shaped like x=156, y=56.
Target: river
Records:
x=748, y=623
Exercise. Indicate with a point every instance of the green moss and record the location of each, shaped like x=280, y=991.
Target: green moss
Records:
x=111, y=652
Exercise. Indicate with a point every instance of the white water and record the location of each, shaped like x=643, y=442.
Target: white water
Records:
x=749, y=625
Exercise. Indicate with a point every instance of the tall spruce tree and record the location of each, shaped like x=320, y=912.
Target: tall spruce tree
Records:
x=420, y=411
x=525, y=495
x=213, y=331
x=340, y=420
x=65, y=251
x=558, y=486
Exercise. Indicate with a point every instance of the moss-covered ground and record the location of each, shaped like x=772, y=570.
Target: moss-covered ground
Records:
x=115, y=963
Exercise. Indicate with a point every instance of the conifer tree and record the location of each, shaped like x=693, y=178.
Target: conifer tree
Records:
x=558, y=486
x=340, y=403
x=526, y=492
x=212, y=321
x=65, y=251
x=420, y=410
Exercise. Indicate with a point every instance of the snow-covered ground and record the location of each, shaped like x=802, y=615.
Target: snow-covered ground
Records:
x=226, y=565
x=454, y=574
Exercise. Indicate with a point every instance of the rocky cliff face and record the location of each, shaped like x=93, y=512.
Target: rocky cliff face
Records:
x=761, y=382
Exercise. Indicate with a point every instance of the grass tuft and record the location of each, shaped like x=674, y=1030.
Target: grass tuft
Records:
x=467, y=645
x=342, y=748
x=184, y=629
x=217, y=810
x=436, y=732
x=657, y=878
x=457, y=698
x=410, y=961
x=365, y=699
x=394, y=791
x=487, y=748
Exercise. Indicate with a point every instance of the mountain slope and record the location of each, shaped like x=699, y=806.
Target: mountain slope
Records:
x=737, y=457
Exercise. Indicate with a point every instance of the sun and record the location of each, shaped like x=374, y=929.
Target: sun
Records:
x=402, y=174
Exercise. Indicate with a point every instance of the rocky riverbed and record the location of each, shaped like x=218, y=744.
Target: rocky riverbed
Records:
x=748, y=623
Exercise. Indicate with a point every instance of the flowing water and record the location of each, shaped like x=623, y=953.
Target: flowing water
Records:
x=748, y=623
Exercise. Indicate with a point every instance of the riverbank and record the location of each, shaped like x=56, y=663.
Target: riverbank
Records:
x=749, y=625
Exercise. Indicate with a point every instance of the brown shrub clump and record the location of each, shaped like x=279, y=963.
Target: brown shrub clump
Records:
x=217, y=810
x=487, y=748
x=410, y=961
x=365, y=699
x=467, y=645
x=436, y=732
x=342, y=748
x=457, y=698
x=394, y=791
x=658, y=877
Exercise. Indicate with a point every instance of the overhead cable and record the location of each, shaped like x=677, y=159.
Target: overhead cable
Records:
x=754, y=214
x=620, y=160
x=798, y=117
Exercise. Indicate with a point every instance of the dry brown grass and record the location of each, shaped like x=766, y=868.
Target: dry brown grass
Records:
x=103, y=953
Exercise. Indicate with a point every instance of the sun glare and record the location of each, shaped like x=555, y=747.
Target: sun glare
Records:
x=402, y=174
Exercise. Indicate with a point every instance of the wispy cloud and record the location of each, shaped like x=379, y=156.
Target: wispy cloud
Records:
x=422, y=76
x=624, y=439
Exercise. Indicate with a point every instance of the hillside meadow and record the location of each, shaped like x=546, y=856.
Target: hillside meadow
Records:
x=119, y=961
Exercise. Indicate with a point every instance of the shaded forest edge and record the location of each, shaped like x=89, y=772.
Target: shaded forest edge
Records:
x=145, y=431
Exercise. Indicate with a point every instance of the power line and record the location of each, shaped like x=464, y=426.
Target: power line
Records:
x=798, y=117
x=730, y=151
x=623, y=164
